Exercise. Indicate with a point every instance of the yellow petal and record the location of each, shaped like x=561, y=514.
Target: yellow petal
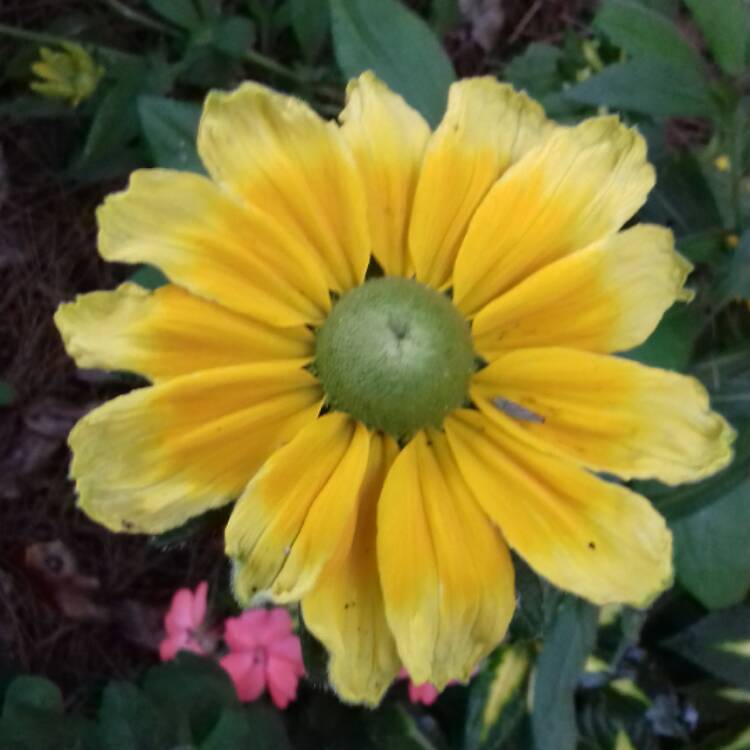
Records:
x=208, y=243
x=583, y=184
x=446, y=573
x=607, y=413
x=276, y=154
x=169, y=332
x=345, y=610
x=149, y=460
x=595, y=538
x=487, y=127
x=606, y=298
x=299, y=511
x=387, y=138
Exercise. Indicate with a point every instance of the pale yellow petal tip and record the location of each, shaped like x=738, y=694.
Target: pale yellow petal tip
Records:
x=663, y=555
x=351, y=688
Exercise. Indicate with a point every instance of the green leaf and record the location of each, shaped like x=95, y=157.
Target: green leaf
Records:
x=311, y=23
x=726, y=26
x=182, y=13
x=536, y=69
x=564, y=652
x=392, y=727
x=712, y=554
x=497, y=698
x=193, y=692
x=646, y=33
x=149, y=277
x=256, y=727
x=445, y=15
x=719, y=643
x=649, y=87
x=29, y=693
x=391, y=40
x=170, y=128
x=734, y=279
x=7, y=393
x=233, y=36
x=128, y=720
x=32, y=718
x=727, y=379
x=670, y=346
x=682, y=197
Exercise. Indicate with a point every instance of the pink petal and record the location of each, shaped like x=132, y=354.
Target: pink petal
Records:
x=169, y=647
x=278, y=625
x=180, y=614
x=426, y=693
x=241, y=633
x=282, y=681
x=199, y=604
x=247, y=674
x=288, y=648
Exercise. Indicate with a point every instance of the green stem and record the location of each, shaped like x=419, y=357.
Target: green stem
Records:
x=40, y=37
x=137, y=17
x=262, y=61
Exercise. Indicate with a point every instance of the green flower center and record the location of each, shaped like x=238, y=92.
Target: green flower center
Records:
x=395, y=355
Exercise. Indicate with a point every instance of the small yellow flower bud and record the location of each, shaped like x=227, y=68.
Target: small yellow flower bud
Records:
x=69, y=74
x=722, y=163
x=732, y=240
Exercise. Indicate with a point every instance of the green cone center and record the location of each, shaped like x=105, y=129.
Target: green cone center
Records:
x=395, y=355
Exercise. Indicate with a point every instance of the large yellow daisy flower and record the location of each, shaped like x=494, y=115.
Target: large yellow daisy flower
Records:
x=394, y=346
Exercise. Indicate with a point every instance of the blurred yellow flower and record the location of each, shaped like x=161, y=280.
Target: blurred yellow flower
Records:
x=69, y=74
x=394, y=345
x=722, y=163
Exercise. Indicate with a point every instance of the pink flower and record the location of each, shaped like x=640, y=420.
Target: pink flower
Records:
x=184, y=626
x=426, y=693
x=263, y=653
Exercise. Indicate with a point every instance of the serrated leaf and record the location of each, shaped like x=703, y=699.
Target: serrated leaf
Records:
x=182, y=13
x=311, y=23
x=643, y=32
x=170, y=128
x=726, y=26
x=564, y=652
x=497, y=698
x=649, y=87
x=391, y=40
x=719, y=643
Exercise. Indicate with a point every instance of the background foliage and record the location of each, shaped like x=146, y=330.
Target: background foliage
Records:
x=570, y=676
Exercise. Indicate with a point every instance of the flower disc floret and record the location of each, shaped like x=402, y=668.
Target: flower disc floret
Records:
x=395, y=355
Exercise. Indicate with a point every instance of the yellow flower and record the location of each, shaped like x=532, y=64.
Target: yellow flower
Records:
x=391, y=437
x=722, y=163
x=70, y=74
